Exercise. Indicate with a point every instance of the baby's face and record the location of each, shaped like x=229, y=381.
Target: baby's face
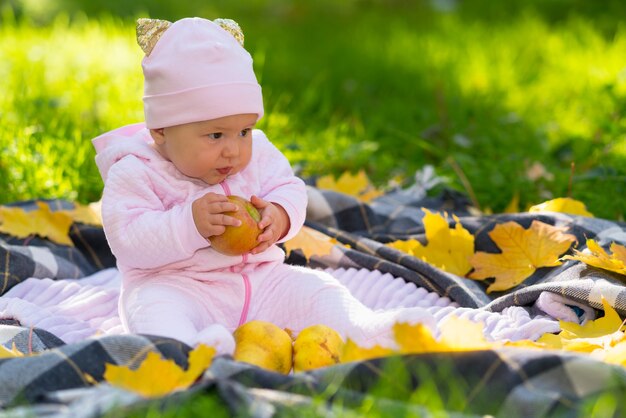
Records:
x=210, y=150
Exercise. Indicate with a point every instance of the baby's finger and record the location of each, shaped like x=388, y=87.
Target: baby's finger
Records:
x=214, y=197
x=260, y=248
x=221, y=219
x=258, y=202
x=265, y=222
x=215, y=230
x=266, y=235
x=221, y=207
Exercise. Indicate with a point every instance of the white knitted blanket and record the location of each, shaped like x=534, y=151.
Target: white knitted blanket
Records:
x=74, y=310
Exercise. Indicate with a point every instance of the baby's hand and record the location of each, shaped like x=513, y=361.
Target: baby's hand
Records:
x=274, y=223
x=208, y=214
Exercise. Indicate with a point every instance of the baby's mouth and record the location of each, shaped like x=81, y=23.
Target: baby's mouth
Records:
x=224, y=171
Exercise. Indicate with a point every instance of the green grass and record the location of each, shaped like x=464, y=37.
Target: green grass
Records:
x=385, y=86
x=440, y=392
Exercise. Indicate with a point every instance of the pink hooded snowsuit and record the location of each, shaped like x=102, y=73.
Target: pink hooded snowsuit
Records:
x=174, y=284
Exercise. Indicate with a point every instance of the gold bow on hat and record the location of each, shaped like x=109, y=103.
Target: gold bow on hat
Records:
x=149, y=31
x=231, y=27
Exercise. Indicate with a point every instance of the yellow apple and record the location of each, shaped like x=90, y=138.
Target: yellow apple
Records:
x=265, y=345
x=316, y=346
x=238, y=240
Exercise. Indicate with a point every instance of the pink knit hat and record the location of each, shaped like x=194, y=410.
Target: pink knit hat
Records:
x=195, y=70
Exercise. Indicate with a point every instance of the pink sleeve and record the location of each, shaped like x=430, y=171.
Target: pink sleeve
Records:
x=141, y=232
x=280, y=185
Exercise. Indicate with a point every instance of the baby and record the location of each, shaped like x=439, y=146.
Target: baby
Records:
x=165, y=188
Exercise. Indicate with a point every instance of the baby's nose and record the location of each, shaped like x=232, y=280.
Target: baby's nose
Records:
x=231, y=148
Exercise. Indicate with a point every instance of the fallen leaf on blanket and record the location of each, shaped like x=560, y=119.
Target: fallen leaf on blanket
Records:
x=523, y=252
x=607, y=324
x=616, y=354
x=598, y=257
x=598, y=337
x=604, y=338
x=528, y=344
x=456, y=334
x=358, y=185
x=448, y=248
x=157, y=377
x=550, y=341
x=88, y=214
x=461, y=334
x=311, y=242
x=598, y=345
x=42, y=221
x=353, y=352
x=13, y=352
x=414, y=338
x=562, y=205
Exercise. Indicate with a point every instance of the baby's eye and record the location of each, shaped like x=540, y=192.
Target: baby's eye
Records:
x=245, y=132
x=215, y=135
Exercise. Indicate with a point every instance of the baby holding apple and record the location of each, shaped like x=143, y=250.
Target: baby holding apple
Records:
x=166, y=188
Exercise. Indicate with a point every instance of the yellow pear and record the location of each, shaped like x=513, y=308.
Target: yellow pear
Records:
x=316, y=346
x=265, y=345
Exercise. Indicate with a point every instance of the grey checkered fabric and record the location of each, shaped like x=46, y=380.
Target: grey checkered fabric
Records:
x=504, y=382
x=365, y=228
x=36, y=257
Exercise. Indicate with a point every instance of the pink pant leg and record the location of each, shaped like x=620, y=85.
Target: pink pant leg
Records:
x=168, y=310
x=297, y=297
x=158, y=309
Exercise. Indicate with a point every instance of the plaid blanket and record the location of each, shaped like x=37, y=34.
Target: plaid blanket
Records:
x=503, y=382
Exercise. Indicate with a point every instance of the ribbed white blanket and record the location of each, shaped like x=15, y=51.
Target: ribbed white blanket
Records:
x=74, y=310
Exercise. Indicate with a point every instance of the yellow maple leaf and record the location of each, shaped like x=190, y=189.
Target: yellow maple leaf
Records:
x=87, y=214
x=607, y=324
x=596, y=336
x=357, y=185
x=523, y=251
x=599, y=258
x=592, y=344
x=311, y=242
x=41, y=221
x=461, y=334
x=415, y=338
x=616, y=354
x=528, y=344
x=562, y=205
x=13, y=352
x=448, y=248
x=353, y=352
x=551, y=341
x=456, y=334
x=156, y=376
